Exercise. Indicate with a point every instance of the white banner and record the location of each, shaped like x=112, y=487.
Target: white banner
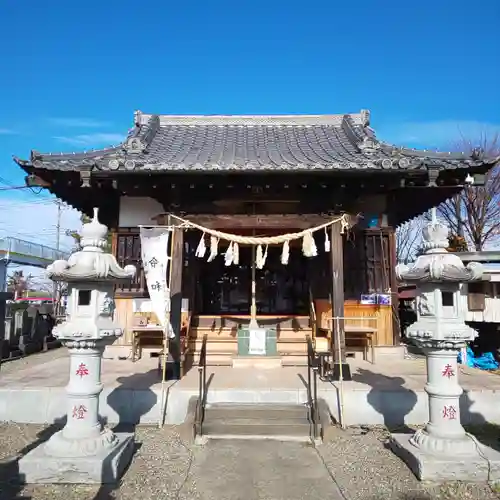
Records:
x=155, y=259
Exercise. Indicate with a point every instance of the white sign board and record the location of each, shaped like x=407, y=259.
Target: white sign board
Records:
x=257, y=342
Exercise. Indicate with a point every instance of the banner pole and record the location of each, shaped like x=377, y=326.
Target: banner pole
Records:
x=165, y=338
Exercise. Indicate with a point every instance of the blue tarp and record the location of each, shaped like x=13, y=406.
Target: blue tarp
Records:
x=485, y=361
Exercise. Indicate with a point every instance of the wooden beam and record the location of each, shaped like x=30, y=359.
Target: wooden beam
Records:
x=240, y=221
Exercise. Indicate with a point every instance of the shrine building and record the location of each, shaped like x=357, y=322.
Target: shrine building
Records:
x=260, y=176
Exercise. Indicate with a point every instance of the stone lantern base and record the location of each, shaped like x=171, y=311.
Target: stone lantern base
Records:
x=480, y=465
x=103, y=466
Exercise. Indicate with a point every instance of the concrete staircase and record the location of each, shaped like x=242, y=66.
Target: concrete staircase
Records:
x=281, y=422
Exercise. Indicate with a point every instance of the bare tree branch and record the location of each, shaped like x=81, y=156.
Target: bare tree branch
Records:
x=409, y=240
x=474, y=213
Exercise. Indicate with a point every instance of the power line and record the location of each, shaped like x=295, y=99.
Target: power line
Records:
x=4, y=181
x=11, y=187
x=23, y=204
x=58, y=226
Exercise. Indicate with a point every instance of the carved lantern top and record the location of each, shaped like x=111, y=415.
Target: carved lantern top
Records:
x=91, y=263
x=436, y=264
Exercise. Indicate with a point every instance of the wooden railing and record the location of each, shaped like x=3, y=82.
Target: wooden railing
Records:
x=202, y=388
x=312, y=388
x=184, y=340
x=312, y=312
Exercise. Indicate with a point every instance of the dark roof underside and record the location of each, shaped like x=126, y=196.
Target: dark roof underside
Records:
x=250, y=143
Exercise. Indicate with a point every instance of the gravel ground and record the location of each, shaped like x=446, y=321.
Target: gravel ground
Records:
x=159, y=467
x=365, y=469
x=357, y=460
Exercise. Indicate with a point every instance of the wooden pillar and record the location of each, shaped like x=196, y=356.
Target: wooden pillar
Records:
x=338, y=334
x=396, y=321
x=177, y=264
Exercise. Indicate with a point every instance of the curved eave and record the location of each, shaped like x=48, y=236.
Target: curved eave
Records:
x=99, y=164
x=431, y=155
x=24, y=164
x=85, y=159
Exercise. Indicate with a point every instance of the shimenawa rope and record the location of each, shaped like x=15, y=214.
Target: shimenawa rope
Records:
x=231, y=255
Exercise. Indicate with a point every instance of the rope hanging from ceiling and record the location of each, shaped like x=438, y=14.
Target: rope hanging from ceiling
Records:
x=231, y=255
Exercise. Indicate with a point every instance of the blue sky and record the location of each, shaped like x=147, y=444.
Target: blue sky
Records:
x=74, y=72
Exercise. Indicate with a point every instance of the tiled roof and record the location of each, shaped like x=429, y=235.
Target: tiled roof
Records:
x=250, y=143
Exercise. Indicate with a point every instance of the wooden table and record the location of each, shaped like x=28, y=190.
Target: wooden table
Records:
x=365, y=333
x=359, y=332
x=145, y=333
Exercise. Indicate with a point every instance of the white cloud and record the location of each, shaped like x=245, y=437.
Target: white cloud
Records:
x=90, y=140
x=78, y=122
x=441, y=134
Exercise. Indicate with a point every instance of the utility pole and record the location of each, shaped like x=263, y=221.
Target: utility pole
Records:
x=58, y=225
x=56, y=287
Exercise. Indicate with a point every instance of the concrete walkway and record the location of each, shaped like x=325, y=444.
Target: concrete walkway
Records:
x=258, y=470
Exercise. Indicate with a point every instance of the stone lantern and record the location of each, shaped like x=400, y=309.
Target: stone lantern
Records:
x=84, y=451
x=442, y=450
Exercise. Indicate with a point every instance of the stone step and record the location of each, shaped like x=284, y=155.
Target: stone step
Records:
x=265, y=421
x=257, y=362
x=215, y=358
x=257, y=421
x=197, y=332
x=257, y=431
x=297, y=360
x=258, y=411
x=227, y=359
x=292, y=348
x=215, y=345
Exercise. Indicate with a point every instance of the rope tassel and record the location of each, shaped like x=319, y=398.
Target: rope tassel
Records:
x=309, y=245
x=285, y=253
x=327, y=241
x=214, y=248
x=201, y=249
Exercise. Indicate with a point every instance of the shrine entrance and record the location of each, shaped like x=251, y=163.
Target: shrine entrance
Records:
x=281, y=290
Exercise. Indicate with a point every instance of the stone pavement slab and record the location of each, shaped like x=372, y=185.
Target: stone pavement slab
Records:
x=261, y=470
